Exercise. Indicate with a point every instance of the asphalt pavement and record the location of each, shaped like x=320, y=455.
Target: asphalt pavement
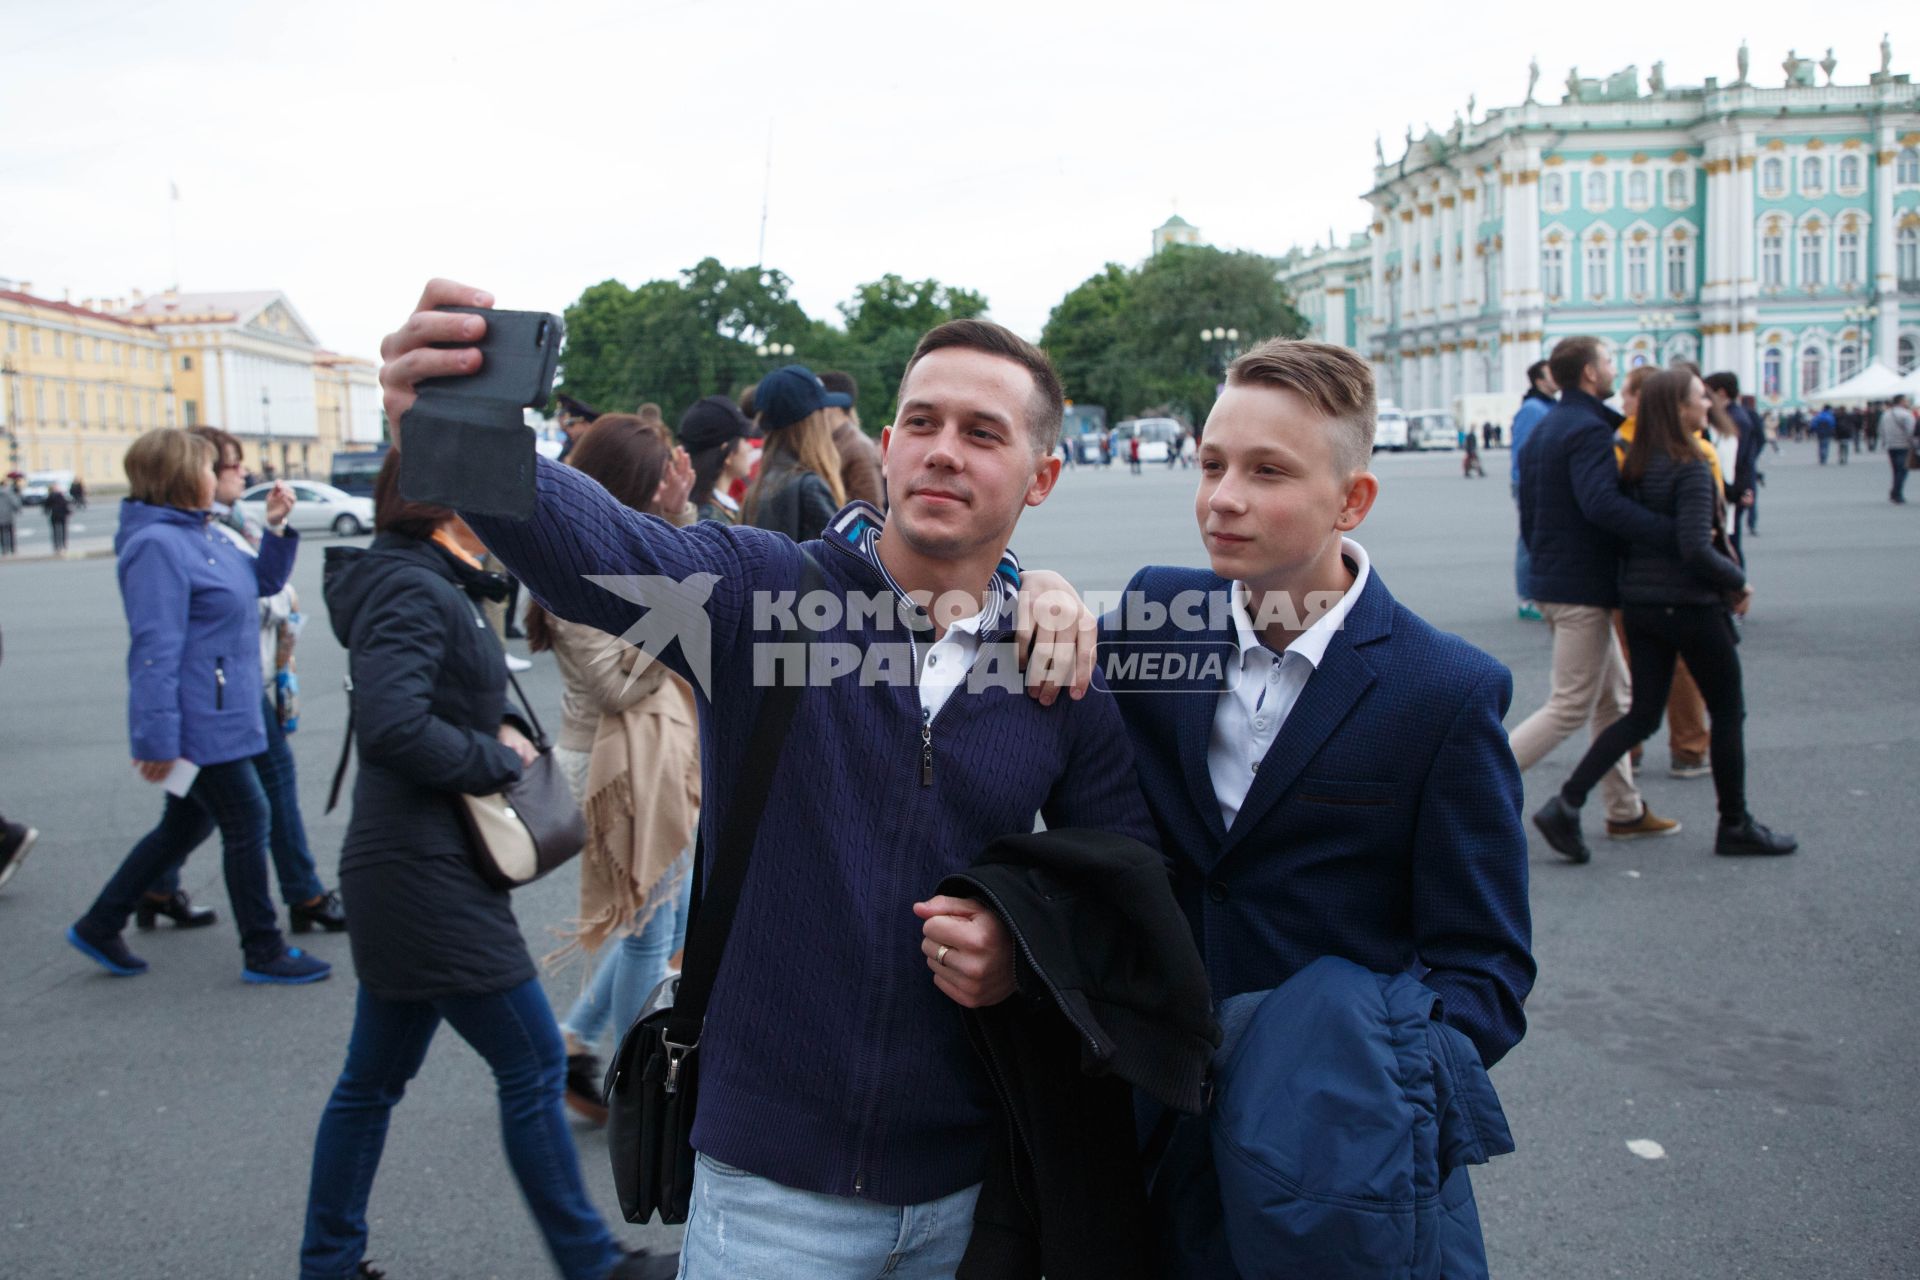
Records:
x=1754, y=1019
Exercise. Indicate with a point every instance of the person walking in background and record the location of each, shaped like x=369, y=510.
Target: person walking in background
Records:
x=78, y=492
x=1534, y=406
x=1470, y=460
x=194, y=697
x=1823, y=426
x=714, y=433
x=431, y=940
x=1133, y=453
x=1843, y=432
x=799, y=487
x=859, y=455
x=631, y=754
x=1896, y=428
x=59, y=508
x=11, y=505
x=1743, y=488
x=1574, y=518
x=1675, y=600
x=310, y=904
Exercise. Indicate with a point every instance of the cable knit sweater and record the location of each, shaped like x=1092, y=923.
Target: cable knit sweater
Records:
x=829, y=1061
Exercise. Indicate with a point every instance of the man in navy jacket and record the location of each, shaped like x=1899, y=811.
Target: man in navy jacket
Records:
x=844, y=1118
x=1574, y=519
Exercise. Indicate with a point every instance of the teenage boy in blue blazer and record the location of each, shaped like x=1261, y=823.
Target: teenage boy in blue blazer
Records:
x=1328, y=772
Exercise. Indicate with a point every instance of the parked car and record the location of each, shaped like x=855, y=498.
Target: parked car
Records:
x=33, y=491
x=1158, y=437
x=316, y=506
x=1389, y=429
x=1432, y=429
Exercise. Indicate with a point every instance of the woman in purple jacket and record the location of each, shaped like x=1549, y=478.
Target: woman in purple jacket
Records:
x=194, y=695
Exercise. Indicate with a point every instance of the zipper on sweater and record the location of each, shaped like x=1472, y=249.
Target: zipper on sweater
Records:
x=926, y=747
x=219, y=684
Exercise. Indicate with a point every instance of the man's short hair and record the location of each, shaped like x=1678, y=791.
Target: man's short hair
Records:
x=1570, y=359
x=164, y=465
x=1334, y=380
x=1049, y=403
x=843, y=383
x=1727, y=384
x=1534, y=371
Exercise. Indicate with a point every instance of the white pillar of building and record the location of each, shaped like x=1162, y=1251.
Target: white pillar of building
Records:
x=1886, y=266
x=1377, y=242
x=1719, y=315
x=1522, y=308
x=1448, y=304
x=1746, y=325
x=1334, y=325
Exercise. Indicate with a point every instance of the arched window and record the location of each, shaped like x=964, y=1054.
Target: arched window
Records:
x=1773, y=363
x=1846, y=257
x=1907, y=355
x=1773, y=176
x=1637, y=189
x=1849, y=175
x=1679, y=268
x=1812, y=176
x=1813, y=370
x=1677, y=188
x=1813, y=256
x=1846, y=361
x=1553, y=191
x=1596, y=190
x=1907, y=245
x=1907, y=170
x=1639, y=269
x=1773, y=258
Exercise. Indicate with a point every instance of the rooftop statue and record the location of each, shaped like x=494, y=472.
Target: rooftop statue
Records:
x=1533, y=74
x=1827, y=64
x=1799, y=70
x=1742, y=81
x=1886, y=55
x=1379, y=152
x=1657, y=78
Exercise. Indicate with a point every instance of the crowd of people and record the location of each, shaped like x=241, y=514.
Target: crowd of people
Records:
x=1283, y=854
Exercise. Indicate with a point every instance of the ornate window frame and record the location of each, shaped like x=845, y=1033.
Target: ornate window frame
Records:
x=1683, y=173
x=1855, y=225
x=1813, y=244
x=1850, y=160
x=1815, y=164
x=1681, y=236
x=1558, y=240
x=1642, y=237
x=1773, y=177
x=1639, y=178
x=1773, y=227
x=1812, y=348
x=1604, y=176
x=1601, y=240
x=1553, y=180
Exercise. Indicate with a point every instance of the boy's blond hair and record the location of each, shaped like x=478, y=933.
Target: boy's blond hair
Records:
x=1332, y=379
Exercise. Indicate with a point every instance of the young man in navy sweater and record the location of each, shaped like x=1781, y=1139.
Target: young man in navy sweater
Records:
x=1328, y=773
x=844, y=1117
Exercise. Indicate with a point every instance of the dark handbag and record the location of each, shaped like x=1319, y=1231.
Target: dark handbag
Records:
x=653, y=1083
x=531, y=825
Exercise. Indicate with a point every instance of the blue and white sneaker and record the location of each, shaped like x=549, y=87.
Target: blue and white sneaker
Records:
x=291, y=968
x=109, y=953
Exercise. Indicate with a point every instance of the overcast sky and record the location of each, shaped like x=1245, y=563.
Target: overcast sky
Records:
x=344, y=152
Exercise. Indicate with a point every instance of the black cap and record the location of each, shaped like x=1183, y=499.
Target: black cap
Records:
x=710, y=421
x=787, y=395
x=574, y=408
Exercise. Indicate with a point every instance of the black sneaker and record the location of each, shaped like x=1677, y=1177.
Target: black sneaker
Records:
x=16, y=842
x=291, y=968
x=1749, y=838
x=324, y=913
x=583, y=1088
x=642, y=1265
x=1559, y=822
x=177, y=907
x=110, y=953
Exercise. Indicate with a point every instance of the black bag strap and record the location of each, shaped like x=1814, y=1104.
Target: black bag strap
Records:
x=540, y=742
x=346, y=752
x=718, y=894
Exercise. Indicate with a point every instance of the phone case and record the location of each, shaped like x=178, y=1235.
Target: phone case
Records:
x=472, y=456
x=518, y=357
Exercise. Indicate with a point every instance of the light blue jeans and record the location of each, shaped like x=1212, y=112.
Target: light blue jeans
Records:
x=632, y=966
x=745, y=1227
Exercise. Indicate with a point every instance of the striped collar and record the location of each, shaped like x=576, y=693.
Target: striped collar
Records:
x=856, y=531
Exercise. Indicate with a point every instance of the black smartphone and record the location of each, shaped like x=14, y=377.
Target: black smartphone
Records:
x=465, y=442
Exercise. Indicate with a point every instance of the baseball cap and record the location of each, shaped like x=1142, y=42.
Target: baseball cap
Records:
x=710, y=421
x=787, y=395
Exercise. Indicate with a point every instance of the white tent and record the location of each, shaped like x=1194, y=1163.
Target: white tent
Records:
x=1875, y=382
x=1911, y=383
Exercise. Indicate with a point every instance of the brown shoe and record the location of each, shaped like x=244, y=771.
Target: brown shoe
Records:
x=1641, y=827
x=583, y=1088
x=1689, y=767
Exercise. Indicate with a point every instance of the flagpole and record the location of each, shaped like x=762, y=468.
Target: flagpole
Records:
x=173, y=231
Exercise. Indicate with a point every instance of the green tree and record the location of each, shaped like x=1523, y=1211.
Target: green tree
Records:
x=1129, y=340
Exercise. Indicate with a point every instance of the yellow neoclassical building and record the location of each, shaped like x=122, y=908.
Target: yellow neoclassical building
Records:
x=78, y=381
x=76, y=386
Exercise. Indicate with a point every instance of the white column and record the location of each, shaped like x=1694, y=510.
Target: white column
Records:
x=1719, y=314
x=1886, y=285
x=1746, y=327
x=1334, y=326
x=1377, y=243
x=1472, y=270
x=1448, y=304
x=1409, y=300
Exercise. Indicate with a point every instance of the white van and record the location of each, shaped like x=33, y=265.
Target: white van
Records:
x=1432, y=429
x=34, y=491
x=1390, y=429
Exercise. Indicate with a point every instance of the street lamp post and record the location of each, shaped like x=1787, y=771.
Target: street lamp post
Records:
x=768, y=350
x=1223, y=344
x=1863, y=317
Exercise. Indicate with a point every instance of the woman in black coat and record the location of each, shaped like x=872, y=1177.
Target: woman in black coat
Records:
x=1675, y=601
x=431, y=940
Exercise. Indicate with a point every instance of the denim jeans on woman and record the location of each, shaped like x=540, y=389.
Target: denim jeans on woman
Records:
x=287, y=838
x=632, y=966
x=514, y=1031
x=237, y=802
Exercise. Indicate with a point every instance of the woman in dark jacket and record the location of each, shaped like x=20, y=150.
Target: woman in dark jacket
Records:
x=798, y=490
x=1675, y=602
x=431, y=940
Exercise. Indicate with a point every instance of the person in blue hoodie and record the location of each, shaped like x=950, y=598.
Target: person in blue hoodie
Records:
x=1537, y=403
x=194, y=696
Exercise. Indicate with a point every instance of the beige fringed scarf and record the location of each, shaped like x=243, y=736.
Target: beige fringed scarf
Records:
x=642, y=795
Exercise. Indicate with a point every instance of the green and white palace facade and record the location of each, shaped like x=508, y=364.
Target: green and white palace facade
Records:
x=1771, y=231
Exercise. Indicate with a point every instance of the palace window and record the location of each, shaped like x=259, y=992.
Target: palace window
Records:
x=1553, y=271
x=1553, y=191
x=1846, y=269
x=1677, y=189
x=1679, y=268
x=1907, y=251
x=1596, y=190
x=1813, y=370
x=1846, y=361
x=190, y=409
x=186, y=364
x=1813, y=255
x=1638, y=191
x=1847, y=177
x=1907, y=355
x=60, y=345
x=1639, y=273
x=60, y=403
x=1907, y=167
x=1812, y=176
x=33, y=336
x=1772, y=372
x=1599, y=270
x=1773, y=176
